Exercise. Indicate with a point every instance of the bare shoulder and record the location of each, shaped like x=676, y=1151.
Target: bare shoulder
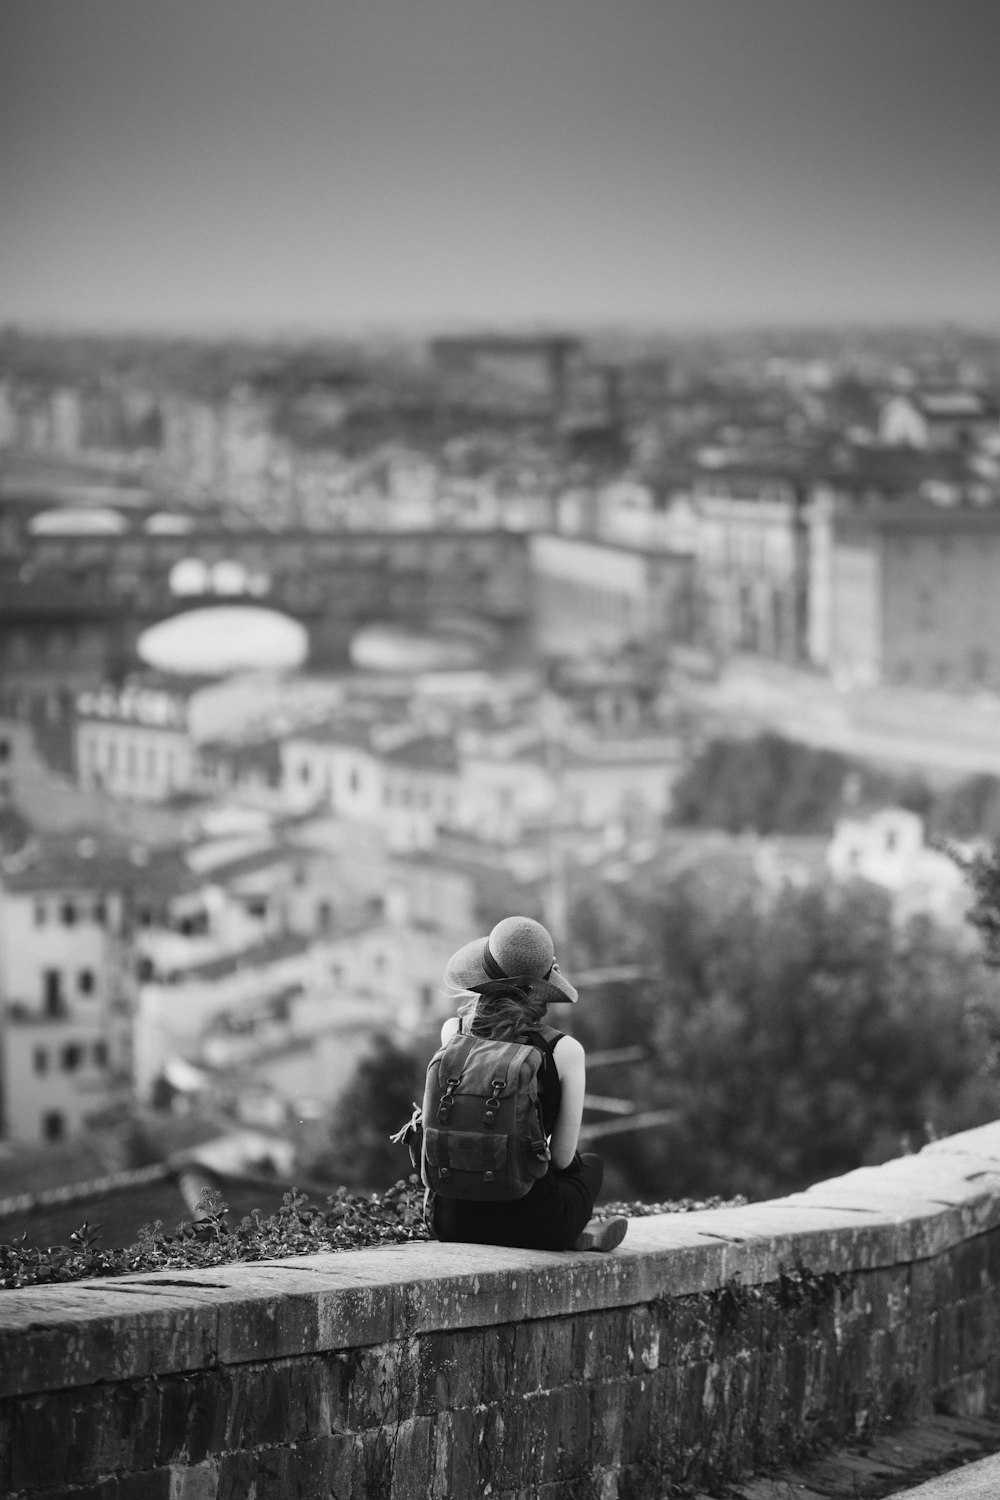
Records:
x=450, y=1028
x=569, y=1054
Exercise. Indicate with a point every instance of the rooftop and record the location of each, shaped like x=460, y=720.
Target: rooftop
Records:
x=256, y=956
x=427, y=753
x=956, y=403
x=98, y=861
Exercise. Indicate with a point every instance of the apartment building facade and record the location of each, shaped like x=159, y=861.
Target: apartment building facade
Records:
x=906, y=593
x=751, y=551
x=67, y=986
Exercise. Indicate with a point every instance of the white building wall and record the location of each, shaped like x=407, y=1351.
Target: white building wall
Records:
x=857, y=634
x=819, y=581
x=500, y=796
x=65, y=1033
x=134, y=761
x=901, y=424
x=589, y=596
x=56, y=932
x=55, y=1077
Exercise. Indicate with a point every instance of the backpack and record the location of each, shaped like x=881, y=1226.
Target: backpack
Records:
x=482, y=1118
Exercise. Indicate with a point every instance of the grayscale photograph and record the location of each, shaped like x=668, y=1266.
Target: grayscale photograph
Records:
x=499, y=749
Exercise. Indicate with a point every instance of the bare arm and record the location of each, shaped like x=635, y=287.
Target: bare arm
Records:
x=570, y=1061
x=449, y=1029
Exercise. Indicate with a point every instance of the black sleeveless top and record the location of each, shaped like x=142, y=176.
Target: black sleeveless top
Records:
x=549, y=1084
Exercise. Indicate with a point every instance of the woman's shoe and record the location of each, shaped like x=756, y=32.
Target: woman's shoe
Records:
x=602, y=1234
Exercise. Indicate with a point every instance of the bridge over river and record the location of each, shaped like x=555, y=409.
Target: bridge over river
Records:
x=74, y=605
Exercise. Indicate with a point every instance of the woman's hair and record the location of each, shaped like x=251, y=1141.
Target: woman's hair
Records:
x=504, y=1014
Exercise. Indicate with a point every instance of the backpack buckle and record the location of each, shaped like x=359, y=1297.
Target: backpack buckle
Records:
x=493, y=1102
x=447, y=1100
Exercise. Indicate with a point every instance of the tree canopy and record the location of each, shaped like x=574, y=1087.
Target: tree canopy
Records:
x=794, y=1039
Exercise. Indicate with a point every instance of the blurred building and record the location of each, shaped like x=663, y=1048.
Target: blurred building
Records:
x=937, y=419
x=266, y=977
x=539, y=366
x=906, y=593
x=890, y=849
x=592, y=595
x=751, y=553
x=391, y=777
x=67, y=986
x=135, y=742
x=191, y=451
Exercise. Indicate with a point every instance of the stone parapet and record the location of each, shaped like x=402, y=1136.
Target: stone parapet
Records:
x=709, y=1344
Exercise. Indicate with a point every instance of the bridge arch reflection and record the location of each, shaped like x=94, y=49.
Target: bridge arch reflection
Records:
x=224, y=638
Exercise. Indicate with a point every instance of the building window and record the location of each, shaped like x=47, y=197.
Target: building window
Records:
x=41, y=1060
x=52, y=994
x=100, y=913
x=67, y=914
x=70, y=1058
x=4, y=750
x=85, y=981
x=41, y=912
x=53, y=1125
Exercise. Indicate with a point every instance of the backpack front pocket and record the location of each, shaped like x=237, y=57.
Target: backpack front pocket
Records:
x=460, y=1161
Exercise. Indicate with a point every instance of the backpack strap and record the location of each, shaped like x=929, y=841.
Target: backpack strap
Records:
x=456, y=1063
x=545, y=1039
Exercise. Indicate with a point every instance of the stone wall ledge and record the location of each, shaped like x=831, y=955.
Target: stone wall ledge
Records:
x=130, y=1327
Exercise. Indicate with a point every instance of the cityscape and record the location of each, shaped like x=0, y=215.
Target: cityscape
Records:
x=483, y=462
x=307, y=675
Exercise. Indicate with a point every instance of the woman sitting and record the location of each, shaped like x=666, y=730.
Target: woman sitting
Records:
x=510, y=979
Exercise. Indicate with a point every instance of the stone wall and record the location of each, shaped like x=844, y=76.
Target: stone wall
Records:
x=708, y=1345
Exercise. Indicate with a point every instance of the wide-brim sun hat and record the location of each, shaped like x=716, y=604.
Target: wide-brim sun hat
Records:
x=519, y=949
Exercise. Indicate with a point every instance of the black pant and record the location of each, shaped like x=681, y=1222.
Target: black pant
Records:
x=549, y=1217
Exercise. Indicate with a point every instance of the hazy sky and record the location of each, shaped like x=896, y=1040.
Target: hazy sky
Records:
x=322, y=163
